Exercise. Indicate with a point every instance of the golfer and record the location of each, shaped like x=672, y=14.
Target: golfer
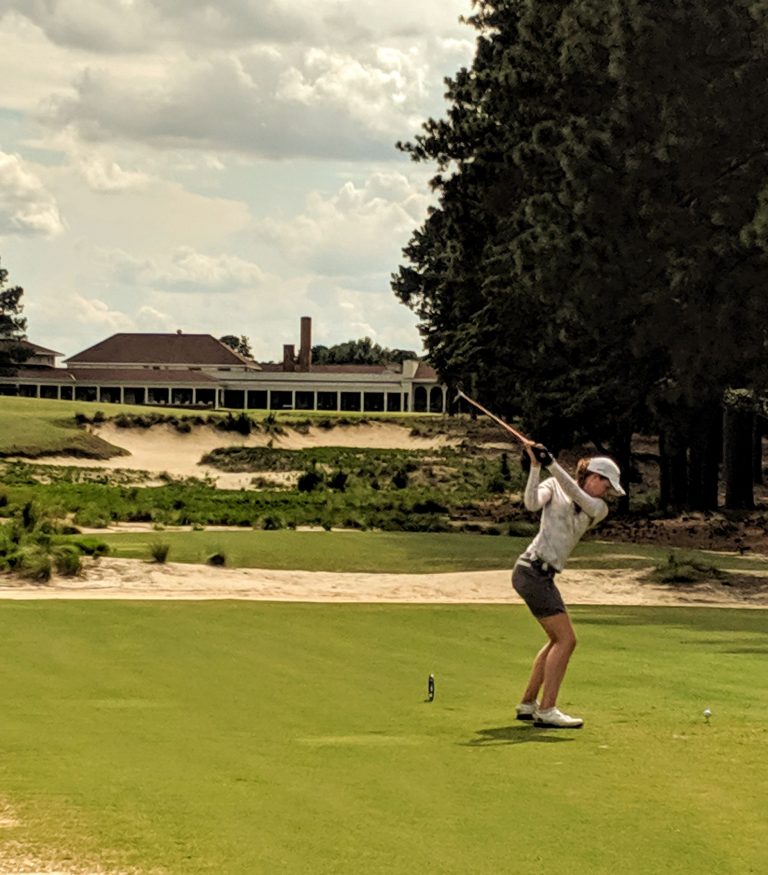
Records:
x=568, y=508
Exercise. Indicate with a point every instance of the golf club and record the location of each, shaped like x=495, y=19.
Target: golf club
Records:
x=521, y=438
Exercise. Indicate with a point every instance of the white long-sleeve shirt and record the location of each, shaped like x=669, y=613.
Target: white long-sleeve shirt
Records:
x=561, y=526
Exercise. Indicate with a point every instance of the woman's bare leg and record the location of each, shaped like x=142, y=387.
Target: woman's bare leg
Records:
x=562, y=642
x=531, y=693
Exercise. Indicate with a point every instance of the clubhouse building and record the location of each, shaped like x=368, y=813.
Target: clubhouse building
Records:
x=199, y=371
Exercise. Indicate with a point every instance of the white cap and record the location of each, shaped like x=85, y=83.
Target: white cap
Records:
x=607, y=468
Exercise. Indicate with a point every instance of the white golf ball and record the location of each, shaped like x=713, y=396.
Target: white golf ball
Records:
x=707, y=712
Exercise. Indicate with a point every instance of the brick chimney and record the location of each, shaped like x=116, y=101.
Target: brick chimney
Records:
x=289, y=357
x=305, y=350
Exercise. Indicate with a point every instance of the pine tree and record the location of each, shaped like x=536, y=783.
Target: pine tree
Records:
x=12, y=327
x=594, y=261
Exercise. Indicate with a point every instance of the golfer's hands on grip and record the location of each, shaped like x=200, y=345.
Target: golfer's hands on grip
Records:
x=539, y=454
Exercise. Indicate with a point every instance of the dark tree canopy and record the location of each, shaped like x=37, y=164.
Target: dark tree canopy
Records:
x=12, y=326
x=239, y=344
x=596, y=258
x=359, y=352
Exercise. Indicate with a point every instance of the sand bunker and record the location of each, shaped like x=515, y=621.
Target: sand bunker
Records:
x=162, y=449
x=109, y=578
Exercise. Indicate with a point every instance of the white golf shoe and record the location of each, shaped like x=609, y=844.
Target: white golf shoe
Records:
x=526, y=710
x=553, y=718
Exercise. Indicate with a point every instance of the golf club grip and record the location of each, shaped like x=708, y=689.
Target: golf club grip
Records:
x=516, y=434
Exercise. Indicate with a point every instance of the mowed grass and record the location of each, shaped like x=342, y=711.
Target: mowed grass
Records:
x=34, y=426
x=391, y=552
x=261, y=738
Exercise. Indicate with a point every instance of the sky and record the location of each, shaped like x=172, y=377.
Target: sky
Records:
x=218, y=167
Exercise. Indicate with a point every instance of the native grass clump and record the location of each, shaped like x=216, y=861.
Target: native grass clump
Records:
x=447, y=489
x=33, y=546
x=681, y=568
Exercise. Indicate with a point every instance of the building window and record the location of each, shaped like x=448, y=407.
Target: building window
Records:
x=86, y=393
x=157, y=396
x=234, y=398
x=181, y=397
x=132, y=395
x=436, y=400
x=327, y=400
x=350, y=400
x=419, y=400
x=305, y=400
x=393, y=402
x=373, y=402
x=281, y=400
x=257, y=399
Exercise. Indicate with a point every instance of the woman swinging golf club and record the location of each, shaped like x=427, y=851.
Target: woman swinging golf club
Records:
x=568, y=508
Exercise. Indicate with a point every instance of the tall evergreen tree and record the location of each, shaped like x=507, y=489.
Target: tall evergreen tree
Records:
x=12, y=326
x=589, y=260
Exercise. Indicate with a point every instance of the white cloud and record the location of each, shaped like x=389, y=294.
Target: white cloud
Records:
x=96, y=25
x=108, y=176
x=26, y=207
x=186, y=271
x=180, y=111
x=128, y=25
x=326, y=105
x=192, y=271
x=95, y=312
x=151, y=319
x=358, y=229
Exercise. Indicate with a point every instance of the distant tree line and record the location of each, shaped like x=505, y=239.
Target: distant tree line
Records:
x=597, y=259
x=359, y=352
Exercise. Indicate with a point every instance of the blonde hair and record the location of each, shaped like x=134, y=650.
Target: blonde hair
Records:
x=581, y=469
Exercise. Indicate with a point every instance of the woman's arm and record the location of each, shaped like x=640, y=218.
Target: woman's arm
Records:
x=595, y=508
x=536, y=495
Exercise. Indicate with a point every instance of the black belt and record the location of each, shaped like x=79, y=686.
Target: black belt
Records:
x=539, y=565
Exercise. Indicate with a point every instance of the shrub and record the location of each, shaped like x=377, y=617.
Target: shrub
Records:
x=92, y=518
x=685, y=568
x=429, y=506
x=310, y=480
x=159, y=551
x=338, y=481
x=33, y=563
x=272, y=522
x=91, y=547
x=400, y=479
x=66, y=559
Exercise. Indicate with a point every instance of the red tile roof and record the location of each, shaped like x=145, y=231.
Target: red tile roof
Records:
x=425, y=372
x=165, y=349
x=123, y=376
x=27, y=344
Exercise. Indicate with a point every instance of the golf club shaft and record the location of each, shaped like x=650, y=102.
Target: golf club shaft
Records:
x=505, y=425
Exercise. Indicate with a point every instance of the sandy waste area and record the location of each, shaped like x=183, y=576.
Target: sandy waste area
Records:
x=163, y=449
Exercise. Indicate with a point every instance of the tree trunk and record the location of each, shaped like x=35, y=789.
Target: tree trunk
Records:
x=673, y=470
x=705, y=455
x=622, y=453
x=738, y=453
x=757, y=451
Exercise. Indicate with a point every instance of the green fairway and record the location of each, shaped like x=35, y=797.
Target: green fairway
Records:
x=260, y=738
x=392, y=552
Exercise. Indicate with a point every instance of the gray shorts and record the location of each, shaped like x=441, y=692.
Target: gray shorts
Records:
x=537, y=589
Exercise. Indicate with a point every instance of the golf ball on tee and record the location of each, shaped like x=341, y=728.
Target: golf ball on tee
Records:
x=707, y=713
